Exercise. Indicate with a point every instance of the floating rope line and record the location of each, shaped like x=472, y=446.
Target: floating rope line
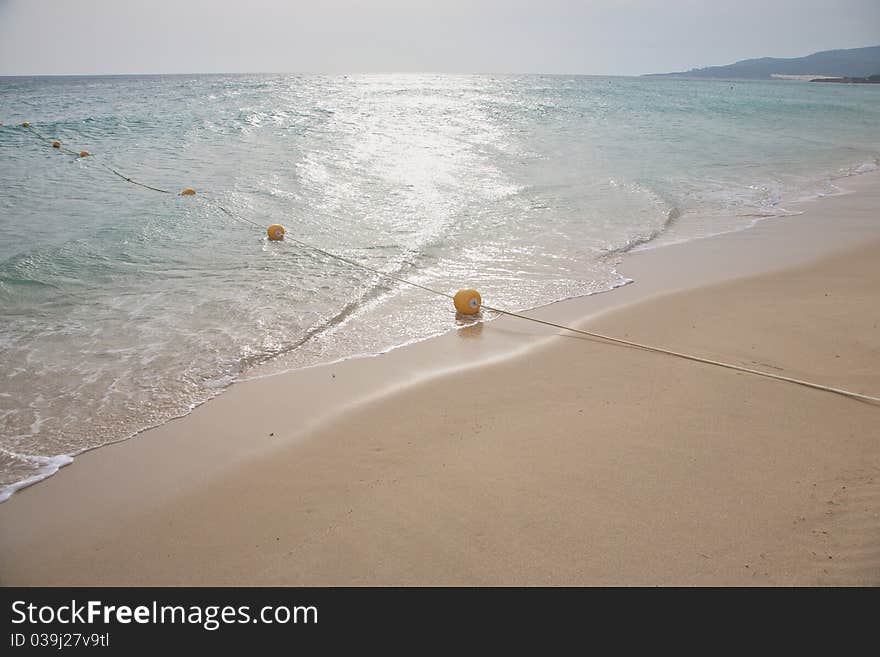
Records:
x=336, y=256
x=592, y=334
x=132, y=181
x=371, y=269
x=106, y=166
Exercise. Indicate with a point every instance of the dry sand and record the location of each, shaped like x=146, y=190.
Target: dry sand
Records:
x=505, y=453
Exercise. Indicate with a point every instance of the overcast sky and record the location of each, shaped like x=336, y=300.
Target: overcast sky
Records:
x=615, y=37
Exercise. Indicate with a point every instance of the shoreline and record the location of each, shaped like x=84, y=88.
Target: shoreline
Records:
x=123, y=484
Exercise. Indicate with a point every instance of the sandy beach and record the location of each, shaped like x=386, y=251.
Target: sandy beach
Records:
x=508, y=453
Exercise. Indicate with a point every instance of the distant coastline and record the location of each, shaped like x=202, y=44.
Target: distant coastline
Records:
x=850, y=65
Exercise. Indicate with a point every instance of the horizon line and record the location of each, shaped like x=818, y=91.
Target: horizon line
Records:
x=335, y=74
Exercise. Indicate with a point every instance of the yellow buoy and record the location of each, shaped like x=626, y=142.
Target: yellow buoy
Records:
x=83, y=153
x=25, y=125
x=275, y=232
x=56, y=144
x=188, y=192
x=468, y=301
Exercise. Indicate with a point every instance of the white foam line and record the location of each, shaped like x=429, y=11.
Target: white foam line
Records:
x=52, y=465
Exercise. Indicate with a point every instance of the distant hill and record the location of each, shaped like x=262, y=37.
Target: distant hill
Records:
x=851, y=63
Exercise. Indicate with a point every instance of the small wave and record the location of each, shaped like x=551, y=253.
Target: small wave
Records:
x=46, y=467
x=381, y=287
x=672, y=215
x=864, y=167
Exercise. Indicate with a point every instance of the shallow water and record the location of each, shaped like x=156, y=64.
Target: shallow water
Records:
x=123, y=307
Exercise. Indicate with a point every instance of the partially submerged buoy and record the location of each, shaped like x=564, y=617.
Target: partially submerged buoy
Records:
x=83, y=153
x=188, y=192
x=25, y=125
x=56, y=144
x=275, y=232
x=467, y=301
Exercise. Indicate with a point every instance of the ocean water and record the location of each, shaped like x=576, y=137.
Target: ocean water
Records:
x=123, y=307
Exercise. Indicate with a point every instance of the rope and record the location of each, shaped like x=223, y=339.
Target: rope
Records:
x=370, y=269
x=629, y=343
x=698, y=359
x=133, y=182
x=335, y=256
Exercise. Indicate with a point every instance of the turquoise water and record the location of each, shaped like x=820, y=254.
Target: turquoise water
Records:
x=123, y=307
